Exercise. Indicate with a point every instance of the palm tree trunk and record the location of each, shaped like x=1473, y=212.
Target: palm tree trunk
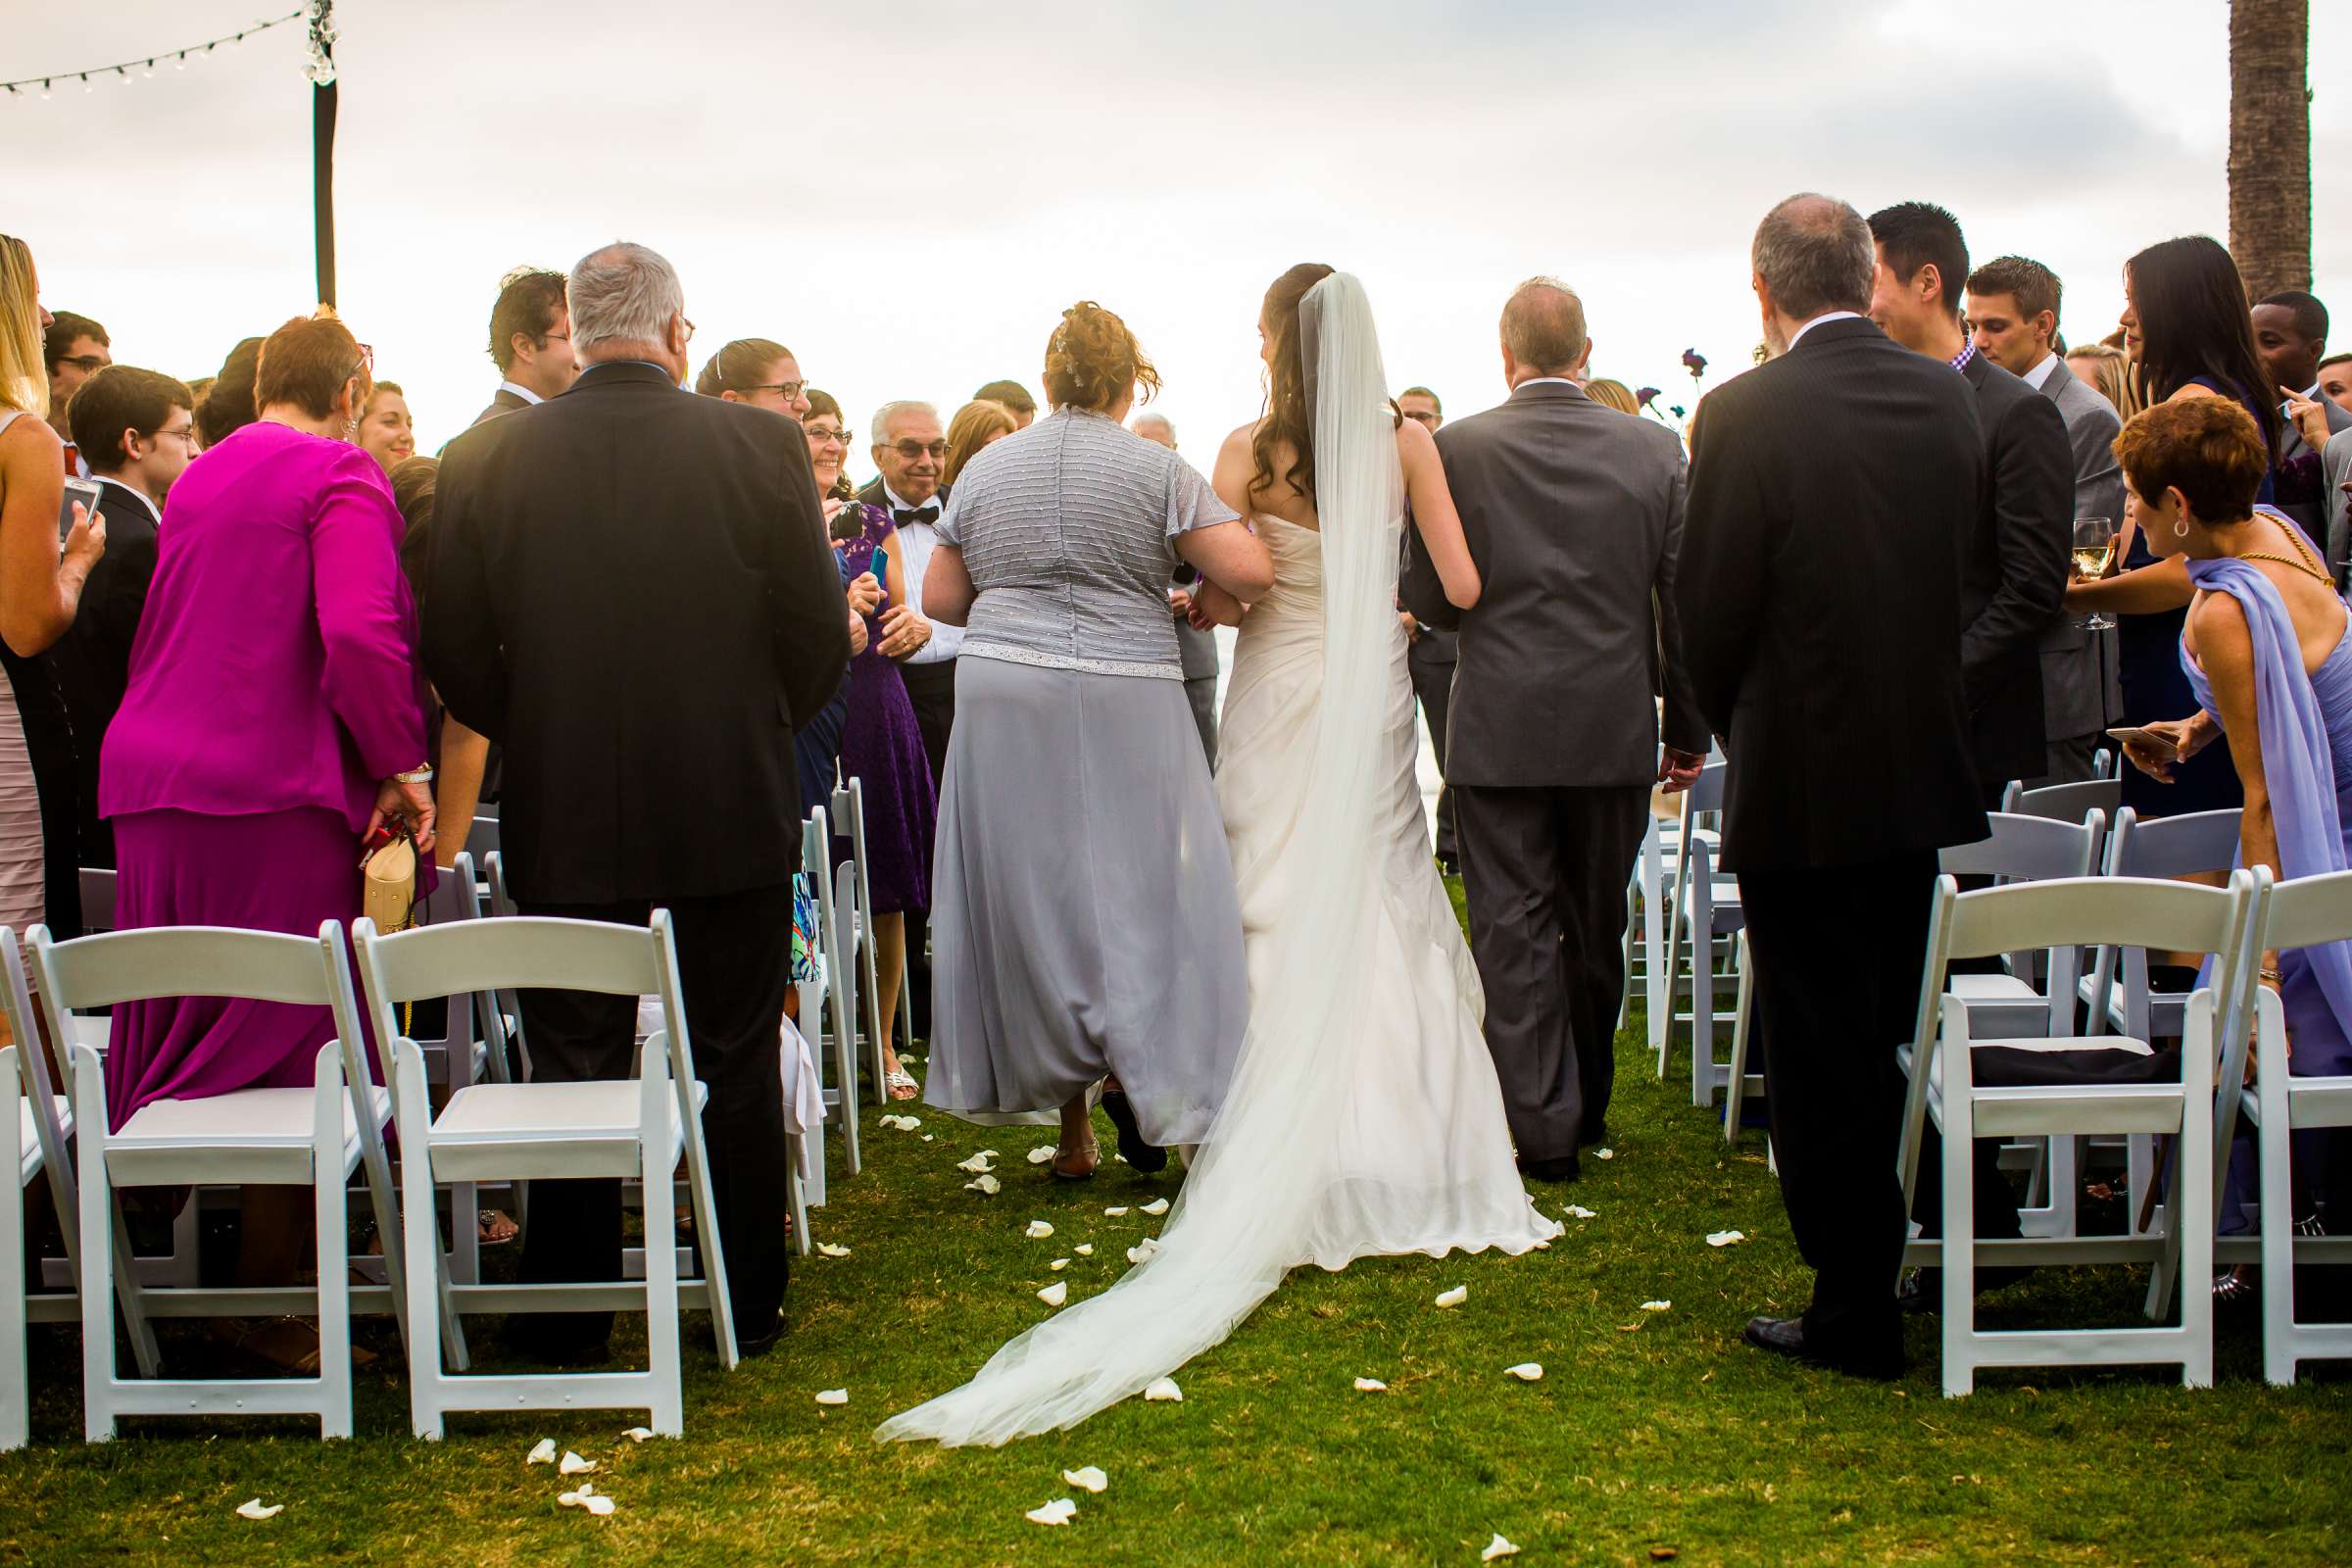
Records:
x=2270, y=143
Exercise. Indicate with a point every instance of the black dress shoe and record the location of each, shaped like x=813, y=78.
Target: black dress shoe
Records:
x=1560, y=1168
x=1786, y=1335
x=748, y=1346
x=1143, y=1157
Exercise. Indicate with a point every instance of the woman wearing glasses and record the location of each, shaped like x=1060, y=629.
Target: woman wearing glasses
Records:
x=881, y=743
x=760, y=372
x=275, y=719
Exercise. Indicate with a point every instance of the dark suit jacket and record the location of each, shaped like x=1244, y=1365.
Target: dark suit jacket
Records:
x=501, y=401
x=91, y=662
x=1832, y=492
x=632, y=594
x=1574, y=514
x=2077, y=665
x=2013, y=575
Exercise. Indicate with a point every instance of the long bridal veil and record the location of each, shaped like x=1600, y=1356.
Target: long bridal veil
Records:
x=1272, y=1186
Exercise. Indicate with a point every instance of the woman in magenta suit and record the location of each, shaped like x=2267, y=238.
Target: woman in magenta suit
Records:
x=274, y=718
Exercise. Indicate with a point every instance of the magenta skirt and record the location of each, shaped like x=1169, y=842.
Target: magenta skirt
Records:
x=271, y=871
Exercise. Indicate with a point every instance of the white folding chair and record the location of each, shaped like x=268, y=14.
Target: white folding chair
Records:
x=621, y=1128
x=829, y=1006
x=2300, y=913
x=503, y=1016
x=849, y=806
x=481, y=838
x=1707, y=912
x=314, y=1136
x=2065, y=802
x=1658, y=873
x=1940, y=1063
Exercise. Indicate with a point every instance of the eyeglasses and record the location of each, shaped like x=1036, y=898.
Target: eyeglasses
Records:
x=1430, y=419
x=545, y=338
x=789, y=391
x=908, y=451
x=366, y=361
x=184, y=432
x=689, y=324
x=87, y=364
x=827, y=435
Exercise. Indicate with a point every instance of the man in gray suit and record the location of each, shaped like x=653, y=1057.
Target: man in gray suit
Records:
x=1574, y=514
x=2013, y=315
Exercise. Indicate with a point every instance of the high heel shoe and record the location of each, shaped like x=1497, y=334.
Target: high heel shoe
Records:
x=1090, y=1152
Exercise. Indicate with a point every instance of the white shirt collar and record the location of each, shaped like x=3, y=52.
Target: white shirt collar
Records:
x=1798, y=336
x=2039, y=376
x=1550, y=381
x=134, y=492
x=521, y=391
x=899, y=503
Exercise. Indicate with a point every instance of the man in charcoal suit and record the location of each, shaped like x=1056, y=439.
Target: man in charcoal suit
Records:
x=1429, y=654
x=530, y=341
x=1820, y=598
x=632, y=592
x=1574, y=514
x=2013, y=318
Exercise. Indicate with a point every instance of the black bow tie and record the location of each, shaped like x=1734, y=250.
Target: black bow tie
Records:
x=901, y=517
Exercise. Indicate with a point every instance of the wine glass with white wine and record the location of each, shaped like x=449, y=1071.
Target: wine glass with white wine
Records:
x=2094, y=549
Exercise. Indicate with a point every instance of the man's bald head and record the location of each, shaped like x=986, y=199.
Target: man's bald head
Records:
x=1813, y=253
x=1544, y=328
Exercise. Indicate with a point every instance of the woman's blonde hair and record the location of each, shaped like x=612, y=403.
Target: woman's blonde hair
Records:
x=976, y=424
x=2114, y=378
x=1612, y=395
x=23, y=377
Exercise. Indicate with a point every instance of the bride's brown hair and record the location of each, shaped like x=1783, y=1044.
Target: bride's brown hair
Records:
x=1288, y=416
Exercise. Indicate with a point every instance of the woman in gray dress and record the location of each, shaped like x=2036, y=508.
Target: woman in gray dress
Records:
x=1084, y=922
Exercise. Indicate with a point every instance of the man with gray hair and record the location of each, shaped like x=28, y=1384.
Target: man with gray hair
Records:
x=633, y=594
x=1820, y=599
x=1574, y=514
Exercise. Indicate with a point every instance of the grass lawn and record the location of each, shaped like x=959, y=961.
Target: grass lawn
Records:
x=1651, y=1435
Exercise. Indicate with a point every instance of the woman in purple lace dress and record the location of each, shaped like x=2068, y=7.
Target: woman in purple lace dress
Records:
x=881, y=746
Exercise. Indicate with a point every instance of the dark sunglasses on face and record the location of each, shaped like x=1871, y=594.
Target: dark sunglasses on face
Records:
x=908, y=451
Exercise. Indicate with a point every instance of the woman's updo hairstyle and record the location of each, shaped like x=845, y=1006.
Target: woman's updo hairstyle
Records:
x=740, y=365
x=1093, y=361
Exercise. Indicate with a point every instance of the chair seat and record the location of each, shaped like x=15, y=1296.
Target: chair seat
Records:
x=2310, y=1103
x=1979, y=987
x=28, y=1146
x=545, y=1129
x=250, y=1135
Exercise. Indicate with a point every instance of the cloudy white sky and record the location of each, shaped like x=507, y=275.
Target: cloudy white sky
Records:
x=908, y=194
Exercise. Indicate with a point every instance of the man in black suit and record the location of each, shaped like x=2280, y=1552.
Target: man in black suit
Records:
x=1833, y=491
x=1574, y=514
x=2291, y=334
x=137, y=430
x=632, y=592
x=530, y=341
x=2013, y=564
x=1429, y=654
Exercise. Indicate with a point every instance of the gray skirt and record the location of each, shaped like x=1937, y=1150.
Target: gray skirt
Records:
x=1083, y=914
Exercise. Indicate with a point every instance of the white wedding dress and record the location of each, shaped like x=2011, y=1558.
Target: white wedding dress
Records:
x=1364, y=1116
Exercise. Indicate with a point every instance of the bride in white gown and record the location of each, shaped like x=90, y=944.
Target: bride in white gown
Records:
x=1364, y=1117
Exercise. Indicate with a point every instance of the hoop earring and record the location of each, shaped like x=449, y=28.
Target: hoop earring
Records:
x=2181, y=529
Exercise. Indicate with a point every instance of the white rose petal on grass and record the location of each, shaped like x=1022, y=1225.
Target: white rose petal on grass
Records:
x=1454, y=1298
x=1156, y=1207
x=1086, y=1478
x=1057, y=1512
x=1056, y=1294
x=1059, y=1264
x=830, y=1249
x=1116, y=1213
x=1084, y=1248
x=255, y=1508
x=1041, y=1153
x=1143, y=1251
x=637, y=1434
x=1037, y=1230
x=1370, y=1386
x=1526, y=1371
x=544, y=1453
x=978, y=1165
x=985, y=1184
x=599, y=1505
x=1655, y=1306
x=1725, y=1237
x=1580, y=1211
x=833, y=1397
x=1597, y=1154
x=572, y=1464
x=1164, y=1391
x=1497, y=1547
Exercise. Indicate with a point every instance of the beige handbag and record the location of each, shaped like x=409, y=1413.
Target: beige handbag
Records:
x=389, y=883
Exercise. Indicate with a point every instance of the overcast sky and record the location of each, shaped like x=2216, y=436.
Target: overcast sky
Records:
x=909, y=195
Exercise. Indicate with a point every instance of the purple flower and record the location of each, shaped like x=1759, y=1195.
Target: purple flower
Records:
x=1695, y=363
x=1647, y=396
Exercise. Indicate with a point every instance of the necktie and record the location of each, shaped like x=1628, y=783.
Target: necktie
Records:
x=901, y=517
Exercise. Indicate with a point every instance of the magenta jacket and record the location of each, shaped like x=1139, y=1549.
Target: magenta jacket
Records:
x=275, y=665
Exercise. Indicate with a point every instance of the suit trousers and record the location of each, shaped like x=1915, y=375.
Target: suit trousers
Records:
x=2069, y=761
x=931, y=688
x=1201, y=692
x=1838, y=953
x=735, y=964
x=1545, y=870
x=1432, y=684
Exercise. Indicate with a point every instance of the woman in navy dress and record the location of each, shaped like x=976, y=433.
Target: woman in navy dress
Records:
x=2188, y=328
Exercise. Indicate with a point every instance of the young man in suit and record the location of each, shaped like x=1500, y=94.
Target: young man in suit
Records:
x=2291, y=334
x=1827, y=490
x=74, y=349
x=530, y=341
x=1574, y=514
x=2014, y=564
x=633, y=594
x=137, y=430
x=1429, y=653
x=2013, y=318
